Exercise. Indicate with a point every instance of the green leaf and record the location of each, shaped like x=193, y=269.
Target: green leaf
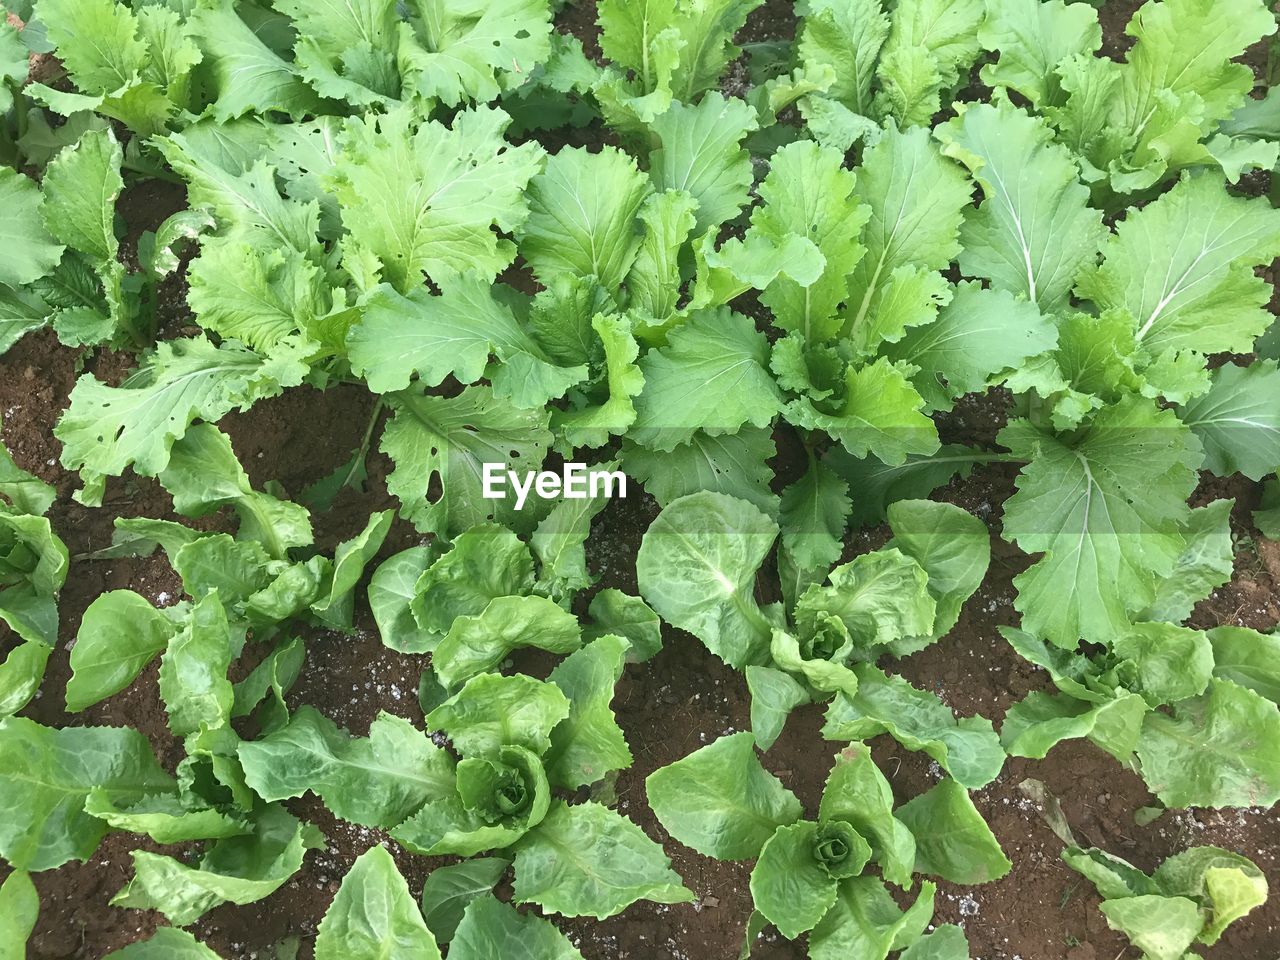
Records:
x=486, y=562
x=968, y=748
x=373, y=781
x=954, y=549
x=979, y=334
x=587, y=860
x=19, y=909
x=697, y=567
x=789, y=886
x=20, y=675
x=1171, y=663
x=812, y=514
x=167, y=943
x=491, y=930
x=1207, y=562
x=107, y=429
x=733, y=464
x=428, y=195
x=193, y=671
x=701, y=153
x=349, y=561
x=479, y=643
x=373, y=916
x=712, y=376
x=1034, y=231
x=774, y=694
x=592, y=426
x=81, y=185
x=619, y=614
x=45, y=776
x=1233, y=885
x=493, y=711
x=119, y=635
x=1267, y=516
x=952, y=840
x=1162, y=927
x=858, y=793
x=1217, y=750
x=880, y=413
x=944, y=943
x=589, y=743
x=238, y=870
x=880, y=597
x=560, y=537
x=866, y=922
x=932, y=45
x=164, y=818
x=582, y=216
x=1079, y=505
x=879, y=484
x=32, y=252
x=1033, y=39
x=391, y=593
x=916, y=198
x=1238, y=420
x=848, y=37
x=720, y=801
x=1248, y=658
x=449, y=439
x=448, y=892
x=97, y=40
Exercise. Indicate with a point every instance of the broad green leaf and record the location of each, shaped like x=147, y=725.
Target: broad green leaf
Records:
x=236, y=569
x=1207, y=562
x=1221, y=749
x=587, y=860
x=349, y=560
x=1034, y=231
x=24, y=492
x=164, y=818
x=373, y=916
x=167, y=943
x=373, y=781
x=947, y=942
x=451, y=334
x=979, y=334
x=879, y=484
x=697, y=568
x=916, y=197
x=475, y=644
x=880, y=597
x=589, y=743
x=967, y=748
x=248, y=76
x=1040, y=721
x=119, y=635
x=812, y=514
x=880, y=413
x=1183, y=268
x=492, y=711
x=653, y=283
x=847, y=37
x=492, y=930
x=448, y=892
x=107, y=429
x=1248, y=658
x=238, y=870
x=1171, y=663
x=952, y=840
x=592, y=426
x=711, y=376
x=32, y=252
x=80, y=188
x=559, y=540
x=486, y=562
x=866, y=922
x=1233, y=885
x=20, y=675
x=1238, y=420
x=931, y=46
x=193, y=671
x=97, y=40
x=720, y=801
x=424, y=197
x=733, y=464
x=474, y=50
x=582, y=215
x=1033, y=38
x=269, y=681
x=448, y=440
x=858, y=793
x=954, y=549
x=19, y=909
x=1079, y=505
x=700, y=152
x=788, y=884
x=1115, y=878
x=1162, y=927
x=774, y=694
x=391, y=593
x=45, y=776
x=619, y=614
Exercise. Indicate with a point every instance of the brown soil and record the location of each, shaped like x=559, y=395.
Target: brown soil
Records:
x=681, y=699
